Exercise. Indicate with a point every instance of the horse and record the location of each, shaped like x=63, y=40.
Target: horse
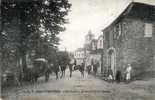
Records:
x=80, y=68
x=89, y=69
x=63, y=69
x=39, y=69
x=55, y=68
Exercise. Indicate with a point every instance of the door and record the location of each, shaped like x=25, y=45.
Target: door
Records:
x=112, y=62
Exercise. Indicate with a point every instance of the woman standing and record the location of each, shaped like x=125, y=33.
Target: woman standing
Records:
x=128, y=73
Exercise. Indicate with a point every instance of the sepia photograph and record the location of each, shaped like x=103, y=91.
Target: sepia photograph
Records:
x=77, y=50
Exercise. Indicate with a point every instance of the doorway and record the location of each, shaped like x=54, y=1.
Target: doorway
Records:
x=112, y=60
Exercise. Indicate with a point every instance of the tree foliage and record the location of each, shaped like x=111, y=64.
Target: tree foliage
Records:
x=63, y=58
x=32, y=25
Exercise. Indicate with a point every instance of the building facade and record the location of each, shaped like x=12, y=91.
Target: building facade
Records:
x=100, y=42
x=96, y=53
x=88, y=40
x=130, y=39
x=79, y=55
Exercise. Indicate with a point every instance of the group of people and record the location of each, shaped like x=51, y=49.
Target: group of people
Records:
x=82, y=67
x=94, y=65
x=119, y=76
x=73, y=66
x=59, y=69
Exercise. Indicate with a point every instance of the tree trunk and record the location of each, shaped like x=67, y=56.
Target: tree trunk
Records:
x=22, y=64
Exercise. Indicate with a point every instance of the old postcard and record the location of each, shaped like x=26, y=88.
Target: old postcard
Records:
x=77, y=50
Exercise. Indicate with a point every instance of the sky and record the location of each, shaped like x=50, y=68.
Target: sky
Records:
x=87, y=15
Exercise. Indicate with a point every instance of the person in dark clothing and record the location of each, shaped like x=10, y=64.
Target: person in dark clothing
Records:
x=71, y=65
x=70, y=69
x=95, y=66
x=118, y=76
x=95, y=69
x=81, y=69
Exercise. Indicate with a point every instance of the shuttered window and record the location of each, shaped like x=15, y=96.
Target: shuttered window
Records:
x=148, y=30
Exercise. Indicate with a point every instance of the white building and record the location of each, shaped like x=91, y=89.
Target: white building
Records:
x=100, y=42
x=79, y=55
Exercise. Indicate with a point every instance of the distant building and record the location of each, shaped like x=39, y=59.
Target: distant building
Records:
x=79, y=55
x=88, y=39
x=97, y=52
x=100, y=42
x=130, y=38
x=94, y=45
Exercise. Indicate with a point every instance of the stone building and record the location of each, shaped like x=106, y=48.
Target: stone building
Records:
x=130, y=39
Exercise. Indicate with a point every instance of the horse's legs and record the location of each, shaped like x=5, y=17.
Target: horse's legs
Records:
x=62, y=73
x=46, y=77
x=95, y=73
x=56, y=73
x=83, y=73
x=70, y=73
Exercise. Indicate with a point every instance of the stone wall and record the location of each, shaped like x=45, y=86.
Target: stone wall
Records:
x=137, y=49
x=131, y=46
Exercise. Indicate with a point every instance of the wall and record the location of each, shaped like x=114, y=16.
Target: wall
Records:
x=136, y=49
x=131, y=46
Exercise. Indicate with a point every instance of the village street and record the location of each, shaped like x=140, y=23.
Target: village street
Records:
x=78, y=88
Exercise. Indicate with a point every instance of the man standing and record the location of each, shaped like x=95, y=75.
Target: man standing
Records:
x=95, y=67
x=81, y=69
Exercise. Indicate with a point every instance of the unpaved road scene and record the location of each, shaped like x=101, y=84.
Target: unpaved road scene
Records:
x=77, y=50
x=87, y=88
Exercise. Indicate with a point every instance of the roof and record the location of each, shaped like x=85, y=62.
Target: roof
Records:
x=127, y=8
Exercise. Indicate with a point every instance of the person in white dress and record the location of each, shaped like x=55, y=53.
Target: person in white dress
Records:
x=128, y=72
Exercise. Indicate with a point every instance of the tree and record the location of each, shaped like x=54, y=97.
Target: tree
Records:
x=63, y=57
x=32, y=25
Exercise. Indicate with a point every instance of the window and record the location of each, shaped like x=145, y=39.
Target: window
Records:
x=148, y=30
x=120, y=29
